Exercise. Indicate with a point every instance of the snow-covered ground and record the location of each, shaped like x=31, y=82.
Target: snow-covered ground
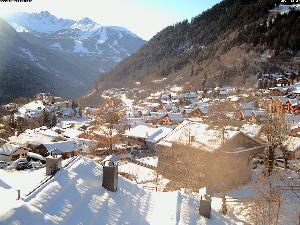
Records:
x=75, y=196
x=127, y=102
x=141, y=174
x=12, y=180
x=151, y=161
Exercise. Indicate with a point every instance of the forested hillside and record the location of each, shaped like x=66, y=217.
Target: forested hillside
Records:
x=227, y=44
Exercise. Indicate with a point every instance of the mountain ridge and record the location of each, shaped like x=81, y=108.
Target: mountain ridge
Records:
x=223, y=45
x=72, y=62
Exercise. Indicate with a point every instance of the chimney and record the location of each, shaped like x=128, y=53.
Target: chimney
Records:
x=19, y=194
x=204, y=203
x=110, y=176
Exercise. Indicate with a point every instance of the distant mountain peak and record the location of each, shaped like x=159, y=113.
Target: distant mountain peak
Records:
x=42, y=22
x=85, y=24
x=86, y=21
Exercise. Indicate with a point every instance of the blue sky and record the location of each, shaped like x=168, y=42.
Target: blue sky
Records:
x=143, y=17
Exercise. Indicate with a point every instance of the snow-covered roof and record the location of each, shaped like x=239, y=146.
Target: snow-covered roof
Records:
x=247, y=113
x=35, y=137
x=293, y=143
x=246, y=106
x=141, y=131
x=32, y=108
x=282, y=99
x=75, y=196
x=251, y=130
x=157, y=114
x=260, y=113
x=160, y=133
x=198, y=134
x=283, y=9
x=113, y=158
x=8, y=149
x=189, y=95
x=63, y=146
x=178, y=117
x=294, y=102
x=291, y=118
x=36, y=156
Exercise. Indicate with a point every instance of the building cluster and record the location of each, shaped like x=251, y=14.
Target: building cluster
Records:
x=62, y=138
x=193, y=133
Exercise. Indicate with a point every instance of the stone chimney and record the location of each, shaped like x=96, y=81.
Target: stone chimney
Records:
x=204, y=203
x=110, y=175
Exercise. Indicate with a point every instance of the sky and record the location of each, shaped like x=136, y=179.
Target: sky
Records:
x=143, y=17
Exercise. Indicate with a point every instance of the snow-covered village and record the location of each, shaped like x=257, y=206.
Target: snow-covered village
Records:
x=213, y=156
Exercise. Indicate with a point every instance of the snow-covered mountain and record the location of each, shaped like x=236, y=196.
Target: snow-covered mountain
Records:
x=82, y=37
x=57, y=55
x=42, y=22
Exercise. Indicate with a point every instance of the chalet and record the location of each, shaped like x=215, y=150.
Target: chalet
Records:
x=147, y=136
x=198, y=112
x=154, y=107
x=154, y=117
x=139, y=134
x=132, y=121
x=38, y=149
x=32, y=110
x=278, y=104
x=244, y=114
x=252, y=130
x=294, y=148
x=172, y=119
x=189, y=96
x=293, y=106
x=68, y=113
x=90, y=111
x=219, y=151
x=2, y=141
x=258, y=116
x=69, y=148
x=171, y=108
x=11, y=152
x=277, y=91
x=293, y=122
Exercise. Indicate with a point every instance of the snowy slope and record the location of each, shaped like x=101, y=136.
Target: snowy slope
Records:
x=46, y=25
x=83, y=41
x=75, y=196
x=42, y=22
x=283, y=9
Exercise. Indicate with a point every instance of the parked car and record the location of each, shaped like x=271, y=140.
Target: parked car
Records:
x=23, y=166
x=16, y=162
x=4, y=164
x=36, y=165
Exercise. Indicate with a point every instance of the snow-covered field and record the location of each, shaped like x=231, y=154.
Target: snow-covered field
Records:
x=75, y=196
x=12, y=180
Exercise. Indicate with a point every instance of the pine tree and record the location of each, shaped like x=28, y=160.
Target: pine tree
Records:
x=12, y=121
x=54, y=120
x=46, y=119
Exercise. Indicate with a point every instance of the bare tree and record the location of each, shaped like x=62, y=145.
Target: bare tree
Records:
x=108, y=121
x=265, y=207
x=276, y=138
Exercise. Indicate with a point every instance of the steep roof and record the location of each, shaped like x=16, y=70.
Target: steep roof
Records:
x=8, y=149
x=75, y=196
x=200, y=135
